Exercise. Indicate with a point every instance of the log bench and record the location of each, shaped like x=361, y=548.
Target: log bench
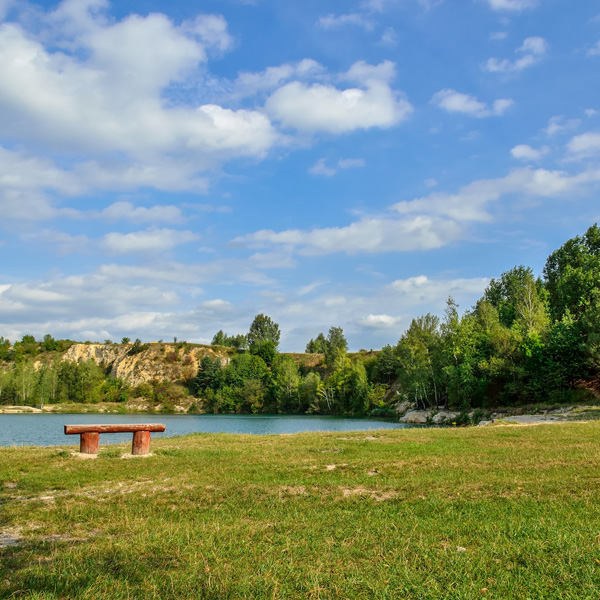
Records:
x=90, y=435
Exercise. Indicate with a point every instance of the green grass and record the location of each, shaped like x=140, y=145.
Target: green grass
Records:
x=330, y=515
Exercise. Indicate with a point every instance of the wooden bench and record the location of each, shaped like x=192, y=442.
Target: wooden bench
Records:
x=90, y=435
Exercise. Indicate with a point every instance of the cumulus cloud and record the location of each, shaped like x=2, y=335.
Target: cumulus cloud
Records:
x=127, y=211
x=149, y=241
x=320, y=167
x=586, y=144
x=369, y=235
x=433, y=221
x=511, y=5
x=103, y=92
x=471, y=202
x=377, y=321
x=325, y=108
x=559, y=124
x=356, y=19
x=249, y=83
x=529, y=54
x=453, y=101
x=351, y=163
x=527, y=153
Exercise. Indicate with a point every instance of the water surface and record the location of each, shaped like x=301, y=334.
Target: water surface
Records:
x=48, y=429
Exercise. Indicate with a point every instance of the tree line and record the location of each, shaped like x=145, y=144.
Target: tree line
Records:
x=527, y=339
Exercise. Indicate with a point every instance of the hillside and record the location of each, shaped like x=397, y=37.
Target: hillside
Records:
x=176, y=363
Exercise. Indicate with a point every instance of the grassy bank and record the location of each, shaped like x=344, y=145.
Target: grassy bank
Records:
x=496, y=512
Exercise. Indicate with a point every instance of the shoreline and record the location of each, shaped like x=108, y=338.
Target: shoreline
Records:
x=565, y=414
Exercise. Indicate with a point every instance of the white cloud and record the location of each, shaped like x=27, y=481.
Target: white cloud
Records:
x=149, y=241
x=248, y=83
x=590, y=112
x=527, y=153
x=127, y=211
x=454, y=101
x=356, y=19
x=63, y=242
x=320, y=168
x=431, y=182
x=103, y=94
x=351, y=163
x=363, y=73
x=471, y=202
x=511, y=5
x=424, y=223
x=595, y=50
x=586, y=144
x=532, y=51
x=389, y=37
x=325, y=108
x=498, y=35
x=558, y=124
x=369, y=235
x=378, y=321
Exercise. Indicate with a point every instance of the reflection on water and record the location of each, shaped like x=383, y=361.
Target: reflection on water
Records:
x=47, y=429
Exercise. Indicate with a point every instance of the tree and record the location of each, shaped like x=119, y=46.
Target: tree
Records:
x=232, y=341
x=518, y=297
x=317, y=346
x=336, y=344
x=572, y=273
x=219, y=338
x=49, y=343
x=286, y=381
x=263, y=329
x=308, y=392
x=265, y=349
x=419, y=353
x=210, y=375
x=4, y=348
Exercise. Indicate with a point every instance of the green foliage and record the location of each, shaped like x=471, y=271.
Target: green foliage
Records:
x=263, y=329
x=209, y=377
x=336, y=344
x=317, y=346
x=286, y=384
x=572, y=273
x=137, y=347
x=240, y=341
x=265, y=349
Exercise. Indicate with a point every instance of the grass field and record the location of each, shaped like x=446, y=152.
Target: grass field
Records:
x=493, y=512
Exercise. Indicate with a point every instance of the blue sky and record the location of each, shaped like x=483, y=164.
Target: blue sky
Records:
x=174, y=168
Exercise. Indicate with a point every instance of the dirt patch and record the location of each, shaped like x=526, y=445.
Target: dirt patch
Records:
x=377, y=495
x=10, y=538
x=334, y=467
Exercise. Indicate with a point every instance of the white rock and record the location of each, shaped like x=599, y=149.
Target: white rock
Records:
x=416, y=417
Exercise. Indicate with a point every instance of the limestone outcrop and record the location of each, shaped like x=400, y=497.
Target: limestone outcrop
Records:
x=154, y=361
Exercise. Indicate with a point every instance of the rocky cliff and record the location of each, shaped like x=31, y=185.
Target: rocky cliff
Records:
x=171, y=362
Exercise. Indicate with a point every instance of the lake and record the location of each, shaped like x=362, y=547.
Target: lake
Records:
x=47, y=429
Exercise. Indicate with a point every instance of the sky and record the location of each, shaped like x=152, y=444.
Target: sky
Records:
x=170, y=169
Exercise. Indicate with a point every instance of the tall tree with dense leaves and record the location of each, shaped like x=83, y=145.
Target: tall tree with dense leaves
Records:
x=263, y=329
x=317, y=346
x=572, y=273
x=418, y=351
x=336, y=345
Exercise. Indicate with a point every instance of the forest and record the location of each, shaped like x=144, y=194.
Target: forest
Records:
x=527, y=340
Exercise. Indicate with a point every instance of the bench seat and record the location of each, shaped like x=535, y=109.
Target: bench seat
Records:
x=90, y=435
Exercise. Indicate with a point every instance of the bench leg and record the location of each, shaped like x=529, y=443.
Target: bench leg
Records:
x=88, y=442
x=141, y=442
